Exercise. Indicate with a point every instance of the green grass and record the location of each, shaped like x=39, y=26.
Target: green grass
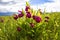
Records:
x=42, y=31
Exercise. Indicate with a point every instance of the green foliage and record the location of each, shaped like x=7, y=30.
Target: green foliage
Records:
x=41, y=31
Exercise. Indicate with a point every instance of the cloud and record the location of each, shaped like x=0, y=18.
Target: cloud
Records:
x=12, y=5
x=12, y=1
x=15, y=5
x=6, y=0
x=53, y=6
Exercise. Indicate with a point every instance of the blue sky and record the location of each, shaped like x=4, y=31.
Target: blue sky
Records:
x=15, y=5
x=35, y=2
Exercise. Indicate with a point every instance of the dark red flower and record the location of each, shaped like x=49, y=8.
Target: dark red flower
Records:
x=28, y=15
x=27, y=7
x=32, y=25
x=33, y=16
x=18, y=29
x=37, y=18
x=47, y=17
x=20, y=15
x=15, y=17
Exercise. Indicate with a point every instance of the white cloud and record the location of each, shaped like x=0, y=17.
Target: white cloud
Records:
x=53, y=6
x=13, y=7
x=6, y=0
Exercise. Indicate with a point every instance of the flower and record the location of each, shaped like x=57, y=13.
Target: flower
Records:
x=15, y=17
x=47, y=17
x=28, y=15
x=37, y=18
x=32, y=25
x=20, y=14
x=18, y=29
x=27, y=7
x=33, y=16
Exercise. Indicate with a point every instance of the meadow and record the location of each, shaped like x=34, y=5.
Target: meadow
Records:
x=9, y=28
x=30, y=25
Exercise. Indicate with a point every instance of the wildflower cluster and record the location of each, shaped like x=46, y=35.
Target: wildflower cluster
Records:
x=29, y=24
x=28, y=14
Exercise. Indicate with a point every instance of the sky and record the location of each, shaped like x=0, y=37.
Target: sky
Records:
x=15, y=5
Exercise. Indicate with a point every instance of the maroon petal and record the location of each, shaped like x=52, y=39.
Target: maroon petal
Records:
x=37, y=19
x=28, y=15
x=20, y=15
x=32, y=25
x=27, y=7
x=18, y=29
x=33, y=16
x=15, y=17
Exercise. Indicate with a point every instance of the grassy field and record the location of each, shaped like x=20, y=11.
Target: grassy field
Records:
x=28, y=29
